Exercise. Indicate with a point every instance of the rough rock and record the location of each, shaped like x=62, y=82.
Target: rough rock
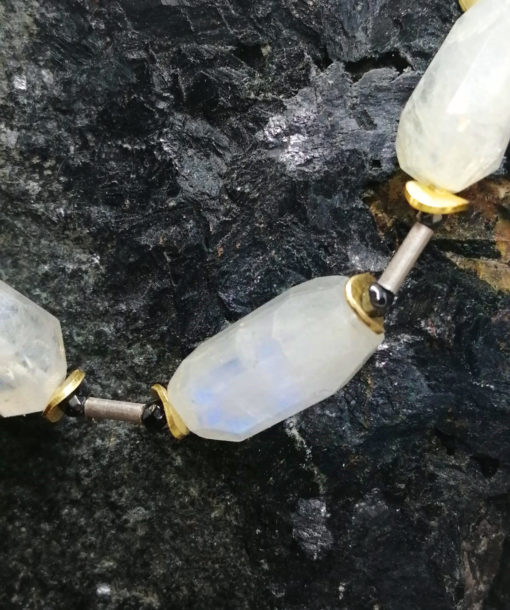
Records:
x=166, y=167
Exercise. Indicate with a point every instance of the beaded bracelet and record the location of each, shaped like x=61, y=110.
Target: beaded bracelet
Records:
x=307, y=343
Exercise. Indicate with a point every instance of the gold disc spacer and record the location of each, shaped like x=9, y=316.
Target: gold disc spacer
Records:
x=53, y=412
x=432, y=200
x=358, y=297
x=175, y=424
x=467, y=4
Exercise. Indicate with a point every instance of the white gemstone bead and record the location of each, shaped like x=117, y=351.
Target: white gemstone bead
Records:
x=32, y=357
x=455, y=127
x=289, y=354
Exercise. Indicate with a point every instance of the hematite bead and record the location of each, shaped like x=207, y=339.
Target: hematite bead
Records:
x=153, y=416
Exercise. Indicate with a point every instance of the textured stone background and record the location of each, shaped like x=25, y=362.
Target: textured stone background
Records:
x=167, y=166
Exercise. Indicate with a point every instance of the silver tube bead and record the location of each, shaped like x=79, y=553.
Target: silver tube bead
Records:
x=101, y=408
x=405, y=257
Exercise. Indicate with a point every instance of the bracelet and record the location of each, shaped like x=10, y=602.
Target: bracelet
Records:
x=307, y=343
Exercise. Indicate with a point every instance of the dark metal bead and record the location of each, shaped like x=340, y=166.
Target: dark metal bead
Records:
x=429, y=220
x=153, y=416
x=74, y=404
x=380, y=298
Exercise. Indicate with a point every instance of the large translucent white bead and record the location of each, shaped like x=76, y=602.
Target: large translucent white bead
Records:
x=455, y=127
x=289, y=354
x=32, y=357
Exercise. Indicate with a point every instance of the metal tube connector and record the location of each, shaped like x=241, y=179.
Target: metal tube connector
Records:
x=405, y=257
x=101, y=408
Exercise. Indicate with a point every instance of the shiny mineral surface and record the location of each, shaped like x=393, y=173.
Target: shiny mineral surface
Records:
x=166, y=168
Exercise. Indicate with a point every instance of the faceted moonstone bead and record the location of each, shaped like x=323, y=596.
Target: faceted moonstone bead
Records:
x=455, y=127
x=32, y=357
x=289, y=354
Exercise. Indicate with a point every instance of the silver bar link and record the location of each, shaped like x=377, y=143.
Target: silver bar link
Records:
x=405, y=257
x=101, y=408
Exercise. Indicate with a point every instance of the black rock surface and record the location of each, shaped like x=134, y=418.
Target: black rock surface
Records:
x=166, y=167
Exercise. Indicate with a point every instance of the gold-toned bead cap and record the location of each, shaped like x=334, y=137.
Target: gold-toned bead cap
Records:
x=467, y=4
x=175, y=424
x=431, y=200
x=53, y=412
x=358, y=297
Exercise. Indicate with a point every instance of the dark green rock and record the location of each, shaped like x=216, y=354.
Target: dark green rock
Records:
x=166, y=167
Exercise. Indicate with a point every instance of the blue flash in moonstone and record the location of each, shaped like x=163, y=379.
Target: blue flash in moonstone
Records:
x=292, y=352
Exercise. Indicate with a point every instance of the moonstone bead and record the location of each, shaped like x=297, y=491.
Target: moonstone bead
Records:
x=289, y=354
x=32, y=357
x=455, y=127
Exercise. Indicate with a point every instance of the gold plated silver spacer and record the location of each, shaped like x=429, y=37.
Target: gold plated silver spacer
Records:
x=431, y=200
x=358, y=296
x=467, y=4
x=175, y=424
x=53, y=412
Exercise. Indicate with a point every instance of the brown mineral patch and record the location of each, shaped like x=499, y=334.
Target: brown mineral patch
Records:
x=491, y=200
x=502, y=235
x=495, y=273
x=387, y=203
x=487, y=220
